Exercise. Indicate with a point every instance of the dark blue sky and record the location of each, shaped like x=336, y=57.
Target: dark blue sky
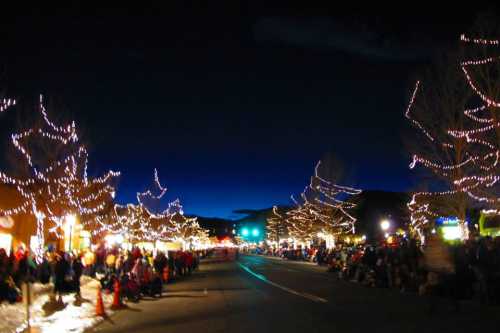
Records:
x=233, y=110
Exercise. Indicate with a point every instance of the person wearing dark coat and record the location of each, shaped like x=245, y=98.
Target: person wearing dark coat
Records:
x=22, y=271
x=370, y=257
x=61, y=269
x=77, y=267
x=160, y=262
x=171, y=261
x=43, y=271
x=128, y=263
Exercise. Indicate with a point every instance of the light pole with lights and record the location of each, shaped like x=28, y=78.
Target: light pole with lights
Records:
x=70, y=220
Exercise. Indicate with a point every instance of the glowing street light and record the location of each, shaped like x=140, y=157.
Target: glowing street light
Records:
x=71, y=219
x=385, y=225
x=244, y=232
x=255, y=232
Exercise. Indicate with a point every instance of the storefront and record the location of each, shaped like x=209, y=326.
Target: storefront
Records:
x=449, y=228
x=489, y=224
x=15, y=230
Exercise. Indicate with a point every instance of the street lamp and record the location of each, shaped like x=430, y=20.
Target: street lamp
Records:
x=70, y=221
x=385, y=225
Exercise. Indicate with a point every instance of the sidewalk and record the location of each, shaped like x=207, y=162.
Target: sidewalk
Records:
x=49, y=317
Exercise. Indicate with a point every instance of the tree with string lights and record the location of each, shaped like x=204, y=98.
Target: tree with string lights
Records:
x=55, y=187
x=437, y=106
x=276, y=226
x=140, y=222
x=185, y=229
x=465, y=147
x=301, y=222
x=323, y=210
x=155, y=225
x=331, y=204
x=482, y=73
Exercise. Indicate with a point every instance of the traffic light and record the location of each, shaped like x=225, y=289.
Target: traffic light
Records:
x=250, y=233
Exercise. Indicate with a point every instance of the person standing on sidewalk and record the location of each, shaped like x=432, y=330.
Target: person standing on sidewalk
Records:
x=77, y=267
x=441, y=279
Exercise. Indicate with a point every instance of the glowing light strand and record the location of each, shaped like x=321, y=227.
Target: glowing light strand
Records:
x=6, y=103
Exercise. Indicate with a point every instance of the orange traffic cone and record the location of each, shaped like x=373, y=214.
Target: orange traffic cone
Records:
x=117, y=301
x=165, y=274
x=99, y=307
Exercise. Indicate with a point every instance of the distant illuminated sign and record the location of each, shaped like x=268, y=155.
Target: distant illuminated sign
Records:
x=451, y=232
x=449, y=228
x=447, y=221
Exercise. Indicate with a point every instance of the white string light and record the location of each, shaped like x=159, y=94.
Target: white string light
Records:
x=409, y=108
x=5, y=103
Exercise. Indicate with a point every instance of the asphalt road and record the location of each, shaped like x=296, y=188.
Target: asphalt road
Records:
x=259, y=294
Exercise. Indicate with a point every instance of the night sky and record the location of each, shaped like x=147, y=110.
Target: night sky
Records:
x=232, y=104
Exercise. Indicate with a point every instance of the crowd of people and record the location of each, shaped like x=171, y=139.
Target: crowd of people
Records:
x=460, y=271
x=138, y=272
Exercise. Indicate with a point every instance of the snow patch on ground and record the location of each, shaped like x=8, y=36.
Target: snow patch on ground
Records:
x=48, y=316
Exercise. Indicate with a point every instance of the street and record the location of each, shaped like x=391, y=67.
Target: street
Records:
x=261, y=294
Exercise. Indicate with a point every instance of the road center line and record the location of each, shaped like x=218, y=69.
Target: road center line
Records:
x=279, y=286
